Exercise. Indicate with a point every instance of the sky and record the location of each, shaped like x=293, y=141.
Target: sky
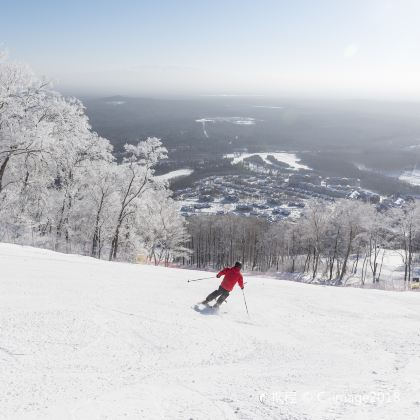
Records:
x=339, y=48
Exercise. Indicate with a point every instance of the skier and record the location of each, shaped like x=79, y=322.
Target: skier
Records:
x=232, y=276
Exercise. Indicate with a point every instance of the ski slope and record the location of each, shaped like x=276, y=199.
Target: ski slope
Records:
x=88, y=339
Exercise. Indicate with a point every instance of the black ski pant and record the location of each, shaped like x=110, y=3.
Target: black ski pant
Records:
x=221, y=293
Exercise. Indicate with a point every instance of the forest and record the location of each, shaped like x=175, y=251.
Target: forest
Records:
x=62, y=188
x=327, y=244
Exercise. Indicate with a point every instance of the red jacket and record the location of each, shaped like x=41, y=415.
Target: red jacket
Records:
x=232, y=276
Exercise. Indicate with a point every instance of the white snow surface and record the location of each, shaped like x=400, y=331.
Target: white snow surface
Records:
x=412, y=177
x=88, y=339
x=179, y=173
x=232, y=120
x=289, y=158
x=115, y=102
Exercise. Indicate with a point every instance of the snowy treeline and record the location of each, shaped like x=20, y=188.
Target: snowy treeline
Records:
x=329, y=242
x=61, y=188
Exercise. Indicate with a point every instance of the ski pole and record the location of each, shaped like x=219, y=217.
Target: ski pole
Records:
x=246, y=306
x=203, y=278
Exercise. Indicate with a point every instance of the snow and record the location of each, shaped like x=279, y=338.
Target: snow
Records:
x=232, y=120
x=289, y=158
x=179, y=173
x=412, y=177
x=391, y=269
x=203, y=123
x=115, y=102
x=88, y=339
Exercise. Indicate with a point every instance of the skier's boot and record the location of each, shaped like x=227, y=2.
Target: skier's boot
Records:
x=205, y=302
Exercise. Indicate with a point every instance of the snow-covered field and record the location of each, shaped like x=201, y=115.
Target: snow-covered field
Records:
x=285, y=157
x=115, y=102
x=231, y=120
x=412, y=177
x=88, y=339
x=179, y=173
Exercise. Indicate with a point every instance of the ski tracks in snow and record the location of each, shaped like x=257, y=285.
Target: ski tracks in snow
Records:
x=118, y=341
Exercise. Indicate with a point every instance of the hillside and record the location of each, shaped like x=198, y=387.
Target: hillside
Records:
x=88, y=339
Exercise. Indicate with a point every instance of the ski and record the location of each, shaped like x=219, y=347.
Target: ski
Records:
x=206, y=309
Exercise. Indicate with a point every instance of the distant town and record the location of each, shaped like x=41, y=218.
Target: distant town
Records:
x=271, y=186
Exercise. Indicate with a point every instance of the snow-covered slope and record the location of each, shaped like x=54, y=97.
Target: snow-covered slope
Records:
x=88, y=339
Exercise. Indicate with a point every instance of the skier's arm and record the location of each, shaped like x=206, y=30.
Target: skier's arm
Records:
x=241, y=282
x=221, y=273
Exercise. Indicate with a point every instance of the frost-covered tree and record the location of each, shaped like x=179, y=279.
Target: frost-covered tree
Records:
x=101, y=194
x=161, y=228
x=405, y=222
x=60, y=186
x=315, y=224
x=135, y=178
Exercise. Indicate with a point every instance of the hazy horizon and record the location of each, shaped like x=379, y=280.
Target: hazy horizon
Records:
x=363, y=50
